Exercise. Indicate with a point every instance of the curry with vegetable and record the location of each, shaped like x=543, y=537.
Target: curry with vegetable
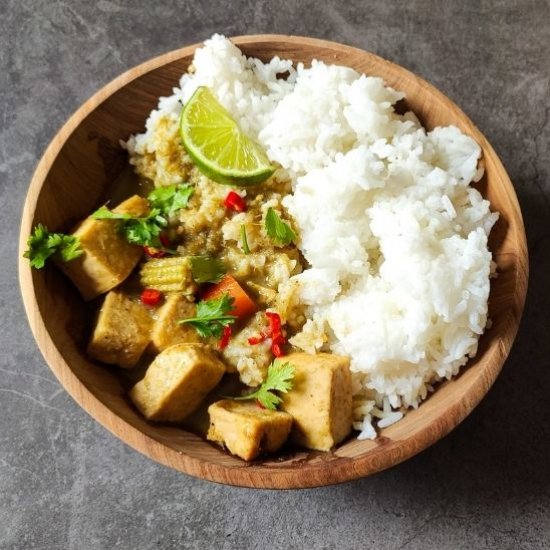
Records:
x=190, y=276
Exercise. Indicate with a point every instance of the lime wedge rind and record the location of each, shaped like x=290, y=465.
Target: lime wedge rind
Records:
x=219, y=148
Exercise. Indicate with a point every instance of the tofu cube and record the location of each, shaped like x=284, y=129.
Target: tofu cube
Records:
x=166, y=330
x=247, y=430
x=177, y=381
x=320, y=400
x=108, y=258
x=122, y=331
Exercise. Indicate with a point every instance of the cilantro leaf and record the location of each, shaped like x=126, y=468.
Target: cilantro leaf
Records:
x=279, y=378
x=70, y=248
x=145, y=231
x=277, y=229
x=212, y=316
x=171, y=198
x=205, y=269
x=244, y=240
x=104, y=213
x=141, y=231
x=43, y=244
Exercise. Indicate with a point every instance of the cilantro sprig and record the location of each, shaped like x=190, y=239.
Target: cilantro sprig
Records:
x=171, y=198
x=212, y=316
x=205, y=269
x=279, y=379
x=277, y=229
x=146, y=230
x=42, y=244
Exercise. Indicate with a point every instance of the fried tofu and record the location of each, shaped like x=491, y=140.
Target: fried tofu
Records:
x=107, y=257
x=177, y=381
x=166, y=329
x=122, y=331
x=320, y=400
x=246, y=430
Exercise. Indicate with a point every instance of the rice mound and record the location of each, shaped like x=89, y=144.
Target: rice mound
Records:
x=395, y=236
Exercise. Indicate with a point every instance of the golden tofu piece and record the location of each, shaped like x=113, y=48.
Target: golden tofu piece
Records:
x=108, y=258
x=122, y=331
x=247, y=430
x=320, y=400
x=166, y=330
x=177, y=381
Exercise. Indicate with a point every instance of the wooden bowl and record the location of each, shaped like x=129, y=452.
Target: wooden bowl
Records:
x=85, y=157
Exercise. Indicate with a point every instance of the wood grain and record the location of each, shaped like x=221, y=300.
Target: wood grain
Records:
x=84, y=158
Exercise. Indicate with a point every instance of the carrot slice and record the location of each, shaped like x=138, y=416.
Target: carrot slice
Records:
x=243, y=305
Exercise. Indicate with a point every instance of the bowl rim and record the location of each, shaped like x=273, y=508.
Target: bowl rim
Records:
x=287, y=477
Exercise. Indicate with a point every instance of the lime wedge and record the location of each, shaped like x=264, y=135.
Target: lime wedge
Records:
x=217, y=145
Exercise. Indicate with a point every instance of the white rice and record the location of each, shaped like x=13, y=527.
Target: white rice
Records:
x=395, y=236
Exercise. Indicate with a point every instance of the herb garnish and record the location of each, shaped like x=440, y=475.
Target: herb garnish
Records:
x=171, y=198
x=146, y=231
x=244, y=240
x=43, y=244
x=212, y=316
x=206, y=269
x=277, y=229
x=279, y=378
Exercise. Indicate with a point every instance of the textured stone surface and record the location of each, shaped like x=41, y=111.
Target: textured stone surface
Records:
x=65, y=482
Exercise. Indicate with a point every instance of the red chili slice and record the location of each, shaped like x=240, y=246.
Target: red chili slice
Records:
x=150, y=297
x=226, y=334
x=235, y=202
x=254, y=340
x=153, y=252
x=276, y=350
x=274, y=332
x=274, y=322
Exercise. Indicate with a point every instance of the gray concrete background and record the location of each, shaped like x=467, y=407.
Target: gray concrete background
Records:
x=65, y=482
